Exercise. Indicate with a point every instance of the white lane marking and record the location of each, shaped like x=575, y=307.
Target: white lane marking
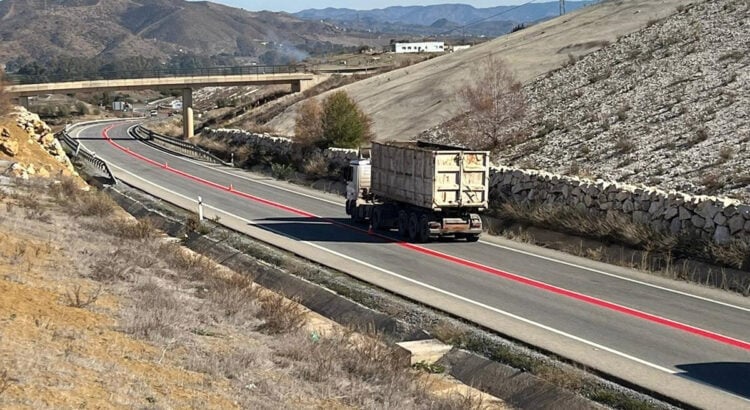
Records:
x=554, y=260
x=426, y=286
x=624, y=278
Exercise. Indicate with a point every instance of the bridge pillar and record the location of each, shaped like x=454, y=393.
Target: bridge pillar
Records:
x=187, y=113
x=298, y=86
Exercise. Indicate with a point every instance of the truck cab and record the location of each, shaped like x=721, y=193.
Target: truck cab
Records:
x=358, y=188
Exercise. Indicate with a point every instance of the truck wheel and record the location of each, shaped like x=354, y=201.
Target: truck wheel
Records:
x=376, y=219
x=424, y=229
x=413, y=227
x=403, y=224
x=348, y=206
x=472, y=237
x=355, y=213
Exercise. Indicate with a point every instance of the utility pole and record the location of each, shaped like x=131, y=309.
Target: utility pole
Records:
x=562, y=7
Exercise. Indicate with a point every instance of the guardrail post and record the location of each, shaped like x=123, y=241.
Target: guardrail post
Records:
x=232, y=159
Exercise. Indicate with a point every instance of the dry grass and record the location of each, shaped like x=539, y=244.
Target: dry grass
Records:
x=101, y=306
x=611, y=227
x=618, y=240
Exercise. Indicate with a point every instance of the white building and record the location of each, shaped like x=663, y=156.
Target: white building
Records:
x=176, y=105
x=423, y=47
x=460, y=47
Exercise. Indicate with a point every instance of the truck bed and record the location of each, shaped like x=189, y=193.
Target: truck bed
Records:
x=430, y=177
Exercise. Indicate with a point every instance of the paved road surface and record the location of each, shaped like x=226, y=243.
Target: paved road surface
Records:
x=680, y=340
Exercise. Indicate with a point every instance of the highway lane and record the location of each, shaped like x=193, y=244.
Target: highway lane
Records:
x=648, y=343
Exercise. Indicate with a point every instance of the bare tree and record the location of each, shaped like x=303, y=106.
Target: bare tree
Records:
x=495, y=105
x=308, y=128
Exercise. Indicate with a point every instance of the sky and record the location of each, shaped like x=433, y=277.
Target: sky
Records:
x=292, y=6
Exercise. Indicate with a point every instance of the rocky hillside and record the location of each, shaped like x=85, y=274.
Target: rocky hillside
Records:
x=29, y=148
x=666, y=106
x=40, y=29
x=407, y=101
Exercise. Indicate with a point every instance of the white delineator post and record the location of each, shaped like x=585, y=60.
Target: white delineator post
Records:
x=200, y=209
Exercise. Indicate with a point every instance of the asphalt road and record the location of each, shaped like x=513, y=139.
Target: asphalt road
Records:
x=680, y=340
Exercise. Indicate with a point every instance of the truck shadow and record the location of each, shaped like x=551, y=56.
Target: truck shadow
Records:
x=321, y=229
x=733, y=377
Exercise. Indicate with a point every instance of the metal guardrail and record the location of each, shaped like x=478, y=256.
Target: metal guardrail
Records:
x=176, y=145
x=162, y=73
x=79, y=151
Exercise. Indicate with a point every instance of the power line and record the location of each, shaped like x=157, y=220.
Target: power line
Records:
x=487, y=18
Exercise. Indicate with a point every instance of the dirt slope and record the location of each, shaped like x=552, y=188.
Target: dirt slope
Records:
x=407, y=101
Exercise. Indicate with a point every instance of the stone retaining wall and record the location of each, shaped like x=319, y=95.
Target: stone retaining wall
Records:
x=278, y=147
x=707, y=217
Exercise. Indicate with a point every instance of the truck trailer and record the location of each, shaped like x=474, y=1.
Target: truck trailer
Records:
x=424, y=190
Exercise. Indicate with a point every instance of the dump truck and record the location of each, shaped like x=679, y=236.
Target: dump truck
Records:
x=425, y=191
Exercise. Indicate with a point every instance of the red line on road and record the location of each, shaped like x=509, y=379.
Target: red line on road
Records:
x=454, y=259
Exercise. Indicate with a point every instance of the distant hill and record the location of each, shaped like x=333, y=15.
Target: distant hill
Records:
x=407, y=101
x=447, y=15
x=43, y=29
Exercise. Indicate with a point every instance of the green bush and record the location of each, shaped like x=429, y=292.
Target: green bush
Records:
x=344, y=124
x=282, y=171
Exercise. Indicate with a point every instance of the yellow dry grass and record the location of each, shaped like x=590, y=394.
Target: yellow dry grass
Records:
x=58, y=356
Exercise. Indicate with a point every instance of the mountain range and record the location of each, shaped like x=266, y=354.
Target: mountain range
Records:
x=441, y=16
x=43, y=29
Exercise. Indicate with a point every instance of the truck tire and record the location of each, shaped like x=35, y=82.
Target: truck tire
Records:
x=355, y=213
x=348, y=206
x=423, y=235
x=413, y=227
x=403, y=224
x=376, y=220
x=472, y=237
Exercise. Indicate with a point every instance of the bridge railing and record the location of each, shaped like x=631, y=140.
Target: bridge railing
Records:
x=161, y=73
x=79, y=151
x=175, y=145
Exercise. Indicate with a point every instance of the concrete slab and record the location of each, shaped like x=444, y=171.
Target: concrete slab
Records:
x=427, y=351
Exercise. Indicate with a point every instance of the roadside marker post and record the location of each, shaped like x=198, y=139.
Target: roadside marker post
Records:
x=200, y=209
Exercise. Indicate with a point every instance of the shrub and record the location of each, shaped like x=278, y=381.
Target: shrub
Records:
x=141, y=229
x=726, y=153
x=94, y=203
x=281, y=315
x=308, y=128
x=735, y=254
x=343, y=123
x=282, y=171
x=624, y=145
x=316, y=166
x=76, y=298
x=5, y=381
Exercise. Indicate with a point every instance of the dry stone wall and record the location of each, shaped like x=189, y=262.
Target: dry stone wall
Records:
x=718, y=219
x=277, y=147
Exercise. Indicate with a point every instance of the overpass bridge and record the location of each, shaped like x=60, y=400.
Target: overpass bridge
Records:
x=23, y=87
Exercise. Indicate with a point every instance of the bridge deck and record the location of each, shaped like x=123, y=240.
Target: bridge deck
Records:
x=25, y=90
